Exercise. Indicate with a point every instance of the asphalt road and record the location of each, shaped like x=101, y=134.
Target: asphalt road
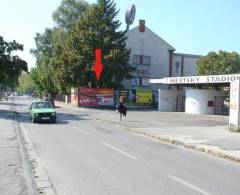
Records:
x=84, y=156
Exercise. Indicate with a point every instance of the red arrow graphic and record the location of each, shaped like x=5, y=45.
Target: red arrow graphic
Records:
x=98, y=63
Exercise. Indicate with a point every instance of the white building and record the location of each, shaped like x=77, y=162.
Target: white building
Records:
x=155, y=58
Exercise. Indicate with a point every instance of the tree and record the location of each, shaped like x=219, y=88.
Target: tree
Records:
x=222, y=62
x=25, y=83
x=65, y=74
x=11, y=66
x=66, y=16
x=43, y=74
x=98, y=28
x=68, y=13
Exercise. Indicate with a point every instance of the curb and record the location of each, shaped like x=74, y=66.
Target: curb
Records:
x=26, y=164
x=43, y=184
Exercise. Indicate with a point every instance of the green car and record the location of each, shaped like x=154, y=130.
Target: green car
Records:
x=42, y=111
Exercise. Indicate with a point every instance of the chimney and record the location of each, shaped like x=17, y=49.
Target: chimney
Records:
x=142, y=25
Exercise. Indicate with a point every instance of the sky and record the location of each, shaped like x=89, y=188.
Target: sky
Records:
x=190, y=26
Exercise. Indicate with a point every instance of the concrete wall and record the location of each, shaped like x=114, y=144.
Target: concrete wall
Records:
x=74, y=96
x=187, y=64
x=149, y=44
x=168, y=99
x=196, y=101
x=190, y=66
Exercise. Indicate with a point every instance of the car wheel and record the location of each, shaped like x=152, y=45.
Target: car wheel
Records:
x=54, y=121
x=33, y=120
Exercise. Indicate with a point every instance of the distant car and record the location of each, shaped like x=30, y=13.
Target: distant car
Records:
x=42, y=111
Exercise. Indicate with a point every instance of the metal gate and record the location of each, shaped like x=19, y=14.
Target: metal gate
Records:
x=180, y=104
x=219, y=105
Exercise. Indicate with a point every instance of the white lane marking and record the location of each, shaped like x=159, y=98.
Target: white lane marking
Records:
x=188, y=185
x=116, y=149
x=81, y=131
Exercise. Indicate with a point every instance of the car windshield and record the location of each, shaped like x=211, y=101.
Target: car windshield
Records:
x=38, y=105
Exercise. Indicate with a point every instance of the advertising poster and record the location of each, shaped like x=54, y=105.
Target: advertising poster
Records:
x=143, y=96
x=96, y=97
x=135, y=82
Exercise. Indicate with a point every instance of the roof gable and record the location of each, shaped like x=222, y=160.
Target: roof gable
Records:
x=136, y=29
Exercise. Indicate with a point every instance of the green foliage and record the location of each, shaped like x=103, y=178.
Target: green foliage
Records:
x=222, y=62
x=44, y=45
x=97, y=28
x=65, y=74
x=66, y=53
x=46, y=77
x=36, y=78
x=43, y=74
x=68, y=13
x=25, y=83
x=11, y=66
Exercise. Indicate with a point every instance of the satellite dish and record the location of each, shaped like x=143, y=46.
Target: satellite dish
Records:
x=130, y=15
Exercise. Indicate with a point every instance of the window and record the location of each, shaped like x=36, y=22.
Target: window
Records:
x=40, y=105
x=177, y=65
x=146, y=60
x=137, y=59
x=141, y=60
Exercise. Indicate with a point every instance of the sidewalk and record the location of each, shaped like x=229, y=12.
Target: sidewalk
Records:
x=205, y=133
x=12, y=181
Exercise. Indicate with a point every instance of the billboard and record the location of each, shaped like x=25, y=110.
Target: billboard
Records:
x=96, y=97
x=143, y=96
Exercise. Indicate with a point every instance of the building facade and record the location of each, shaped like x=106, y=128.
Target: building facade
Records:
x=154, y=58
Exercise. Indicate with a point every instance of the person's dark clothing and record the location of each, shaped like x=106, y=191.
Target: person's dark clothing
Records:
x=122, y=109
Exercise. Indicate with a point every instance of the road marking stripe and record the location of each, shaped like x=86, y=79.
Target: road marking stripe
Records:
x=122, y=152
x=81, y=131
x=188, y=185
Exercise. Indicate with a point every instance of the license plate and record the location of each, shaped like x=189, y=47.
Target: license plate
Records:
x=45, y=118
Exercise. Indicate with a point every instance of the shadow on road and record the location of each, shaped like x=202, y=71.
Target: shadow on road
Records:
x=62, y=118
x=7, y=114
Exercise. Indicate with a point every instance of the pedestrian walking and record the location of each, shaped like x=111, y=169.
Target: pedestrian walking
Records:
x=121, y=108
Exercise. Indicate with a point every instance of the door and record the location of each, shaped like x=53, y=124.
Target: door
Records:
x=180, y=104
x=219, y=105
